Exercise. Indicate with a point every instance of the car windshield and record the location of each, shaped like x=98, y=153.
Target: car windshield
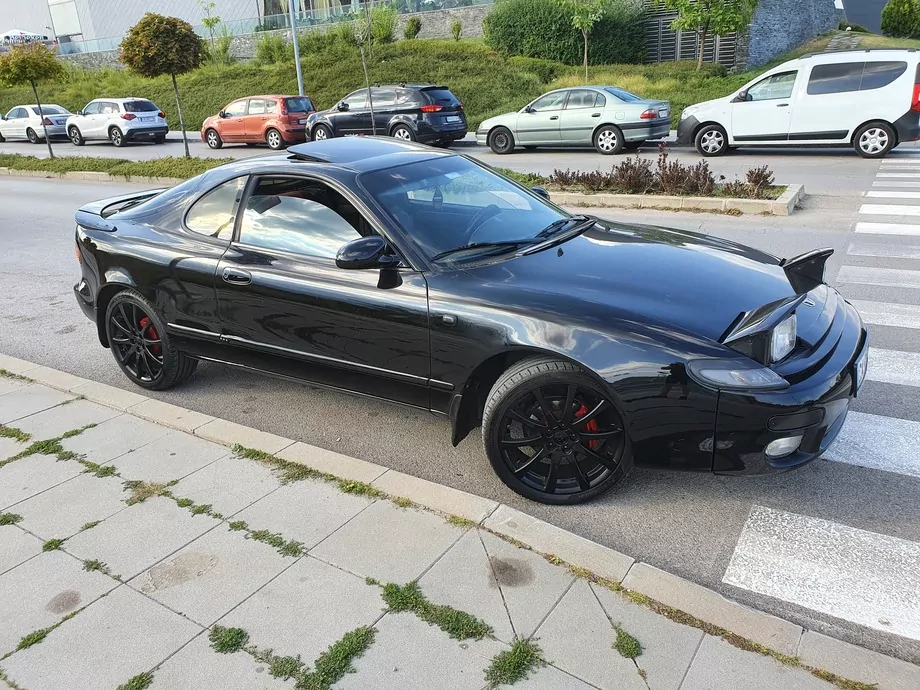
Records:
x=51, y=110
x=140, y=107
x=301, y=104
x=623, y=95
x=457, y=210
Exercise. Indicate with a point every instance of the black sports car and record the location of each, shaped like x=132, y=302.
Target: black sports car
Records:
x=423, y=277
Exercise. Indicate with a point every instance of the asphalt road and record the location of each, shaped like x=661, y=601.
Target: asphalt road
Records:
x=685, y=523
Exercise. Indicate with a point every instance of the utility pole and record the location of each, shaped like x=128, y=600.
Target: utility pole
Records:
x=296, y=48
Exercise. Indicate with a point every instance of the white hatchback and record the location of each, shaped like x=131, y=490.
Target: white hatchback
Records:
x=868, y=99
x=120, y=120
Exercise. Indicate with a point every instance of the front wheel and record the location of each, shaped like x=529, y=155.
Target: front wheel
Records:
x=75, y=137
x=116, y=137
x=32, y=136
x=874, y=140
x=213, y=140
x=321, y=133
x=711, y=140
x=553, y=434
x=608, y=140
x=501, y=141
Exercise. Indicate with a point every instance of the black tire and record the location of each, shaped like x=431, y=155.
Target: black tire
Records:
x=212, y=139
x=129, y=308
x=32, y=136
x=711, y=140
x=501, y=141
x=633, y=145
x=573, y=468
x=2, y=139
x=608, y=140
x=274, y=140
x=249, y=143
x=874, y=140
x=76, y=137
x=403, y=133
x=159, y=139
x=117, y=138
x=321, y=133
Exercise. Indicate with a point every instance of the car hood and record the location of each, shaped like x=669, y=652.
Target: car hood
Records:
x=508, y=120
x=658, y=276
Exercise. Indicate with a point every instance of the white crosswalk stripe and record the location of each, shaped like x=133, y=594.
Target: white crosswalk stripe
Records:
x=893, y=195
x=880, y=443
x=891, y=366
x=859, y=576
x=900, y=174
x=888, y=229
x=885, y=277
x=887, y=314
x=891, y=184
x=889, y=210
x=887, y=251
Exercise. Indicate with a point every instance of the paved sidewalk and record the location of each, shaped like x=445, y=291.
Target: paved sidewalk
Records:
x=134, y=555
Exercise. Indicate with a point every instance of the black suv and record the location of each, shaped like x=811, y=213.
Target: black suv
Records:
x=413, y=112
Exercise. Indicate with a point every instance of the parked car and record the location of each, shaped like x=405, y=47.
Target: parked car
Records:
x=426, y=278
x=24, y=122
x=606, y=117
x=274, y=120
x=412, y=112
x=120, y=120
x=867, y=99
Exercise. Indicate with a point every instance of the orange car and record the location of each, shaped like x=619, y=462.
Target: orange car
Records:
x=274, y=120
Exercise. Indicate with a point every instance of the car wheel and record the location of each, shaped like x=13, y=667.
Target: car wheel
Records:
x=633, y=145
x=403, y=133
x=553, y=434
x=159, y=139
x=321, y=133
x=874, y=140
x=608, y=140
x=711, y=140
x=75, y=137
x=213, y=139
x=501, y=141
x=32, y=136
x=142, y=348
x=116, y=137
x=274, y=140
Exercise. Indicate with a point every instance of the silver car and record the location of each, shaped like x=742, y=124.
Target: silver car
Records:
x=606, y=117
x=120, y=120
x=24, y=122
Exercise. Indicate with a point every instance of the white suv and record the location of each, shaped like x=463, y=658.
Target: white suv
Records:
x=868, y=99
x=119, y=120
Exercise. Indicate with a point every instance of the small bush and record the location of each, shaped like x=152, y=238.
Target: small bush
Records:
x=456, y=29
x=345, y=33
x=901, y=18
x=271, y=49
x=633, y=176
x=412, y=28
x=759, y=179
x=316, y=41
x=383, y=24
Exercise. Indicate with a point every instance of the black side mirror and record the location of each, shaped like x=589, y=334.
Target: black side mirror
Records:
x=366, y=252
x=539, y=191
x=528, y=109
x=741, y=97
x=221, y=114
x=342, y=106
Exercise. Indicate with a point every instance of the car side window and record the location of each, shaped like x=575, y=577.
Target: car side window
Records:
x=271, y=106
x=257, y=106
x=878, y=74
x=356, y=100
x=383, y=97
x=236, y=109
x=302, y=216
x=836, y=78
x=600, y=101
x=581, y=98
x=92, y=109
x=109, y=108
x=551, y=101
x=773, y=87
x=16, y=113
x=213, y=214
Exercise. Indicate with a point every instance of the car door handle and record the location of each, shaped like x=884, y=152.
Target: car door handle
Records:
x=596, y=115
x=782, y=105
x=554, y=117
x=236, y=276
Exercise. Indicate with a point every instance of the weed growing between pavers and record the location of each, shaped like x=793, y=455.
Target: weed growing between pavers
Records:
x=359, y=488
x=4, y=373
x=17, y=435
x=283, y=546
x=89, y=525
x=67, y=402
x=627, y=645
x=50, y=447
x=284, y=667
x=285, y=470
x=403, y=502
x=461, y=522
x=6, y=680
x=184, y=502
x=92, y=564
x=98, y=470
x=200, y=509
x=512, y=665
x=238, y=525
x=52, y=545
x=141, y=491
x=9, y=518
x=458, y=624
x=141, y=681
x=227, y=640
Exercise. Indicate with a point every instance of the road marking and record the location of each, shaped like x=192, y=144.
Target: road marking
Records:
x=899, y=174
x=859, y=576
x=896, y=162
x=892, y=366
x=888, y=229
x=889, y=314
x=889, y=210
x=897, y=183
x=888, y=251
x=886, y=277
x=893, y=195
x=880, y=443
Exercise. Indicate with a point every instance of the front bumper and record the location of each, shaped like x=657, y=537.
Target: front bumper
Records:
x=685, y=129
x=646, y=130
x=144, y=133
x=482, y=137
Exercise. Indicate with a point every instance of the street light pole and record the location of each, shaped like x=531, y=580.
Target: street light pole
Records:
x=296, y=48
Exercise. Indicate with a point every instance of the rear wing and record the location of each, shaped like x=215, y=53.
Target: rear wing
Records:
x=806, y=271
x=96, y=213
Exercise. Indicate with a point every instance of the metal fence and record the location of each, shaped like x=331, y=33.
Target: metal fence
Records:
x=665, y=44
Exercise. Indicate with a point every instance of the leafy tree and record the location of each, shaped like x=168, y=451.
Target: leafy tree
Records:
x=211, y=23
x=159, y=45
x=31, y=63
x=456, y=29
x=710, y=18
x=412, y=28
x=901, y=18
x=585, y=15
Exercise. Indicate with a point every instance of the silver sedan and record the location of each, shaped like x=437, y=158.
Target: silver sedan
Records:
x=24, y=122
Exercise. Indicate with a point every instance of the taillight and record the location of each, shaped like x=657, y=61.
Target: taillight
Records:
x=649, y=114
x=432, y=108
x=461, y=106
x=915, y=101
x=162, y=115
x=283, y=107
x=128, y=116
x=47, y=122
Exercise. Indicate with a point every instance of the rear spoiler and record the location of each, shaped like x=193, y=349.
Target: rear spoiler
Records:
x=806, y=271
x=95, y=213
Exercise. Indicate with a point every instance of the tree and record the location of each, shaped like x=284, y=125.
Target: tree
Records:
x=585, y=15
x=710, y=17
x=901, y=18
x=210, y=23
x=159, y=45
x=31, y=63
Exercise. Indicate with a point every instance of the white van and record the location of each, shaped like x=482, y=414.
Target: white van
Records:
x=868, y=99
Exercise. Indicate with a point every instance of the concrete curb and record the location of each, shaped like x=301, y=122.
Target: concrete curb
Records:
x=842, y=658
x=91, y=176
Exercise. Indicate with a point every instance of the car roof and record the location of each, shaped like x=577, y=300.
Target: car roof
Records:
x=273, y=95
x=838, y=56
x=120, y=100
x=363, y=154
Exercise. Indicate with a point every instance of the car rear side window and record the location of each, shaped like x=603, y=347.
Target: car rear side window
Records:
x=581, y=98
x=271, y=106
x=213, y=214
x=878, y=74
x=383, y=98
x=257, y=106
x=622, y=94
x=140, y=106
x=301, y=104
x=853, y=76
x=600, y=101
x=441, y=97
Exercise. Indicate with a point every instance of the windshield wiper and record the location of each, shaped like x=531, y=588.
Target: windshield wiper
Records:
x=559, y=225
x=482, y=245
x=558, y=232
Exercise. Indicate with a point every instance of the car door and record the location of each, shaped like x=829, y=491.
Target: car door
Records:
x=763, y=112
x=289, y=309
x=109, y=113
x=84, y=119
x=384, y=102
x=254, y=120
x=356, y=117
x=580, y=116
x=232, y=124
x=14, y=126
x=538, y=123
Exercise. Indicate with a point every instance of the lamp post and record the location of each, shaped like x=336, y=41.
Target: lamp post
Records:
x=296, y=48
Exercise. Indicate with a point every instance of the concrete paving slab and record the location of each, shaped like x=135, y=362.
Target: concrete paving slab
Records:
x=388, y=543
x=463, y=578
x=117, y=637
x=306, y=608
x=228, y=433
x=15, y=366
x=436, y=496
x=114, y=437
x=551, y=678
x=29, y=400
x=7, y=385
x=857, y=663
x=170, y=415
x=56, y=421
x=43, y=590
x=667, y=647
x=33, y=474
x=9, y=447
x=55, y=378
x=410, y=654
x=111, y=396
x=307, y=511
x=208, y=577
x=327, y=461
x=530, y=585
x=578, y=638
x=16, y=546
x=61, y=511
x=131, y=541
x=228, y=485
x=170, y=457
x=720, y=666
x=197, y=666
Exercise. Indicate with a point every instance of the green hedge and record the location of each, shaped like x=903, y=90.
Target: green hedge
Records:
x=159, y=167
x=543, y=29
x=901, y=18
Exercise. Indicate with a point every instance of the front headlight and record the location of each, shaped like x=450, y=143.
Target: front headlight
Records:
x=688, y=111
x=782, y=340
x=735, y=374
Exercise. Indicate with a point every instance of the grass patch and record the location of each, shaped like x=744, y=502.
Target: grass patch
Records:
x=17, y=435
x=6, y=374
x=141, y=491
x=91, y=565
x=9, y=518
x=162, y=167
x=227, y=640
x=34, y=638
x=281, y=545
x=458, y=624
x=238, y=525
x=184, y=502
x=141, y=681
x=462, y=522
x=627, y=645
x=335, y=662
x=52, y=446
x=403, y=502
x=89, y=525
x=52, y=545
x=201, y=509
x=99, y=470
x=512, y=665
x=359, y=488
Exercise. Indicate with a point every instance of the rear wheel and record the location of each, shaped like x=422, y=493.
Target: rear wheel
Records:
x=403, y=133
x=141, y=346
x=116, y=137
x=608, y=140
x=874, y=140
x=501, y=141
x=711, y=140
x=75, y=137
x=213, y=140
x=274, y=140
x=321, y=133
x=32, y=136
x=553, y=434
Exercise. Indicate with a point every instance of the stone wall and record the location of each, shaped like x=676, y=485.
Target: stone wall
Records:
x=780, y=25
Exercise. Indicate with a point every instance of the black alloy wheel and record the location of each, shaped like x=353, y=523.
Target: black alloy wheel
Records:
x=116, y=137
x=501, y=141
x=553, y=435
x=32, y=136
x=76, y=138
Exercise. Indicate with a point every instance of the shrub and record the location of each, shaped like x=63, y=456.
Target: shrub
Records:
x=759, y=179
x=383, y=24
x=901, y=18
x=546, y=70
x=456, y=29
x=345, y=33
x=412, y=28
x=543, y=29
x=271, y=49
x=315, y=41
x=633, y=176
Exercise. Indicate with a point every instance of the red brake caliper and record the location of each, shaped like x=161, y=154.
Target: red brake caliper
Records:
x=155, y=349
x=590, y=427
